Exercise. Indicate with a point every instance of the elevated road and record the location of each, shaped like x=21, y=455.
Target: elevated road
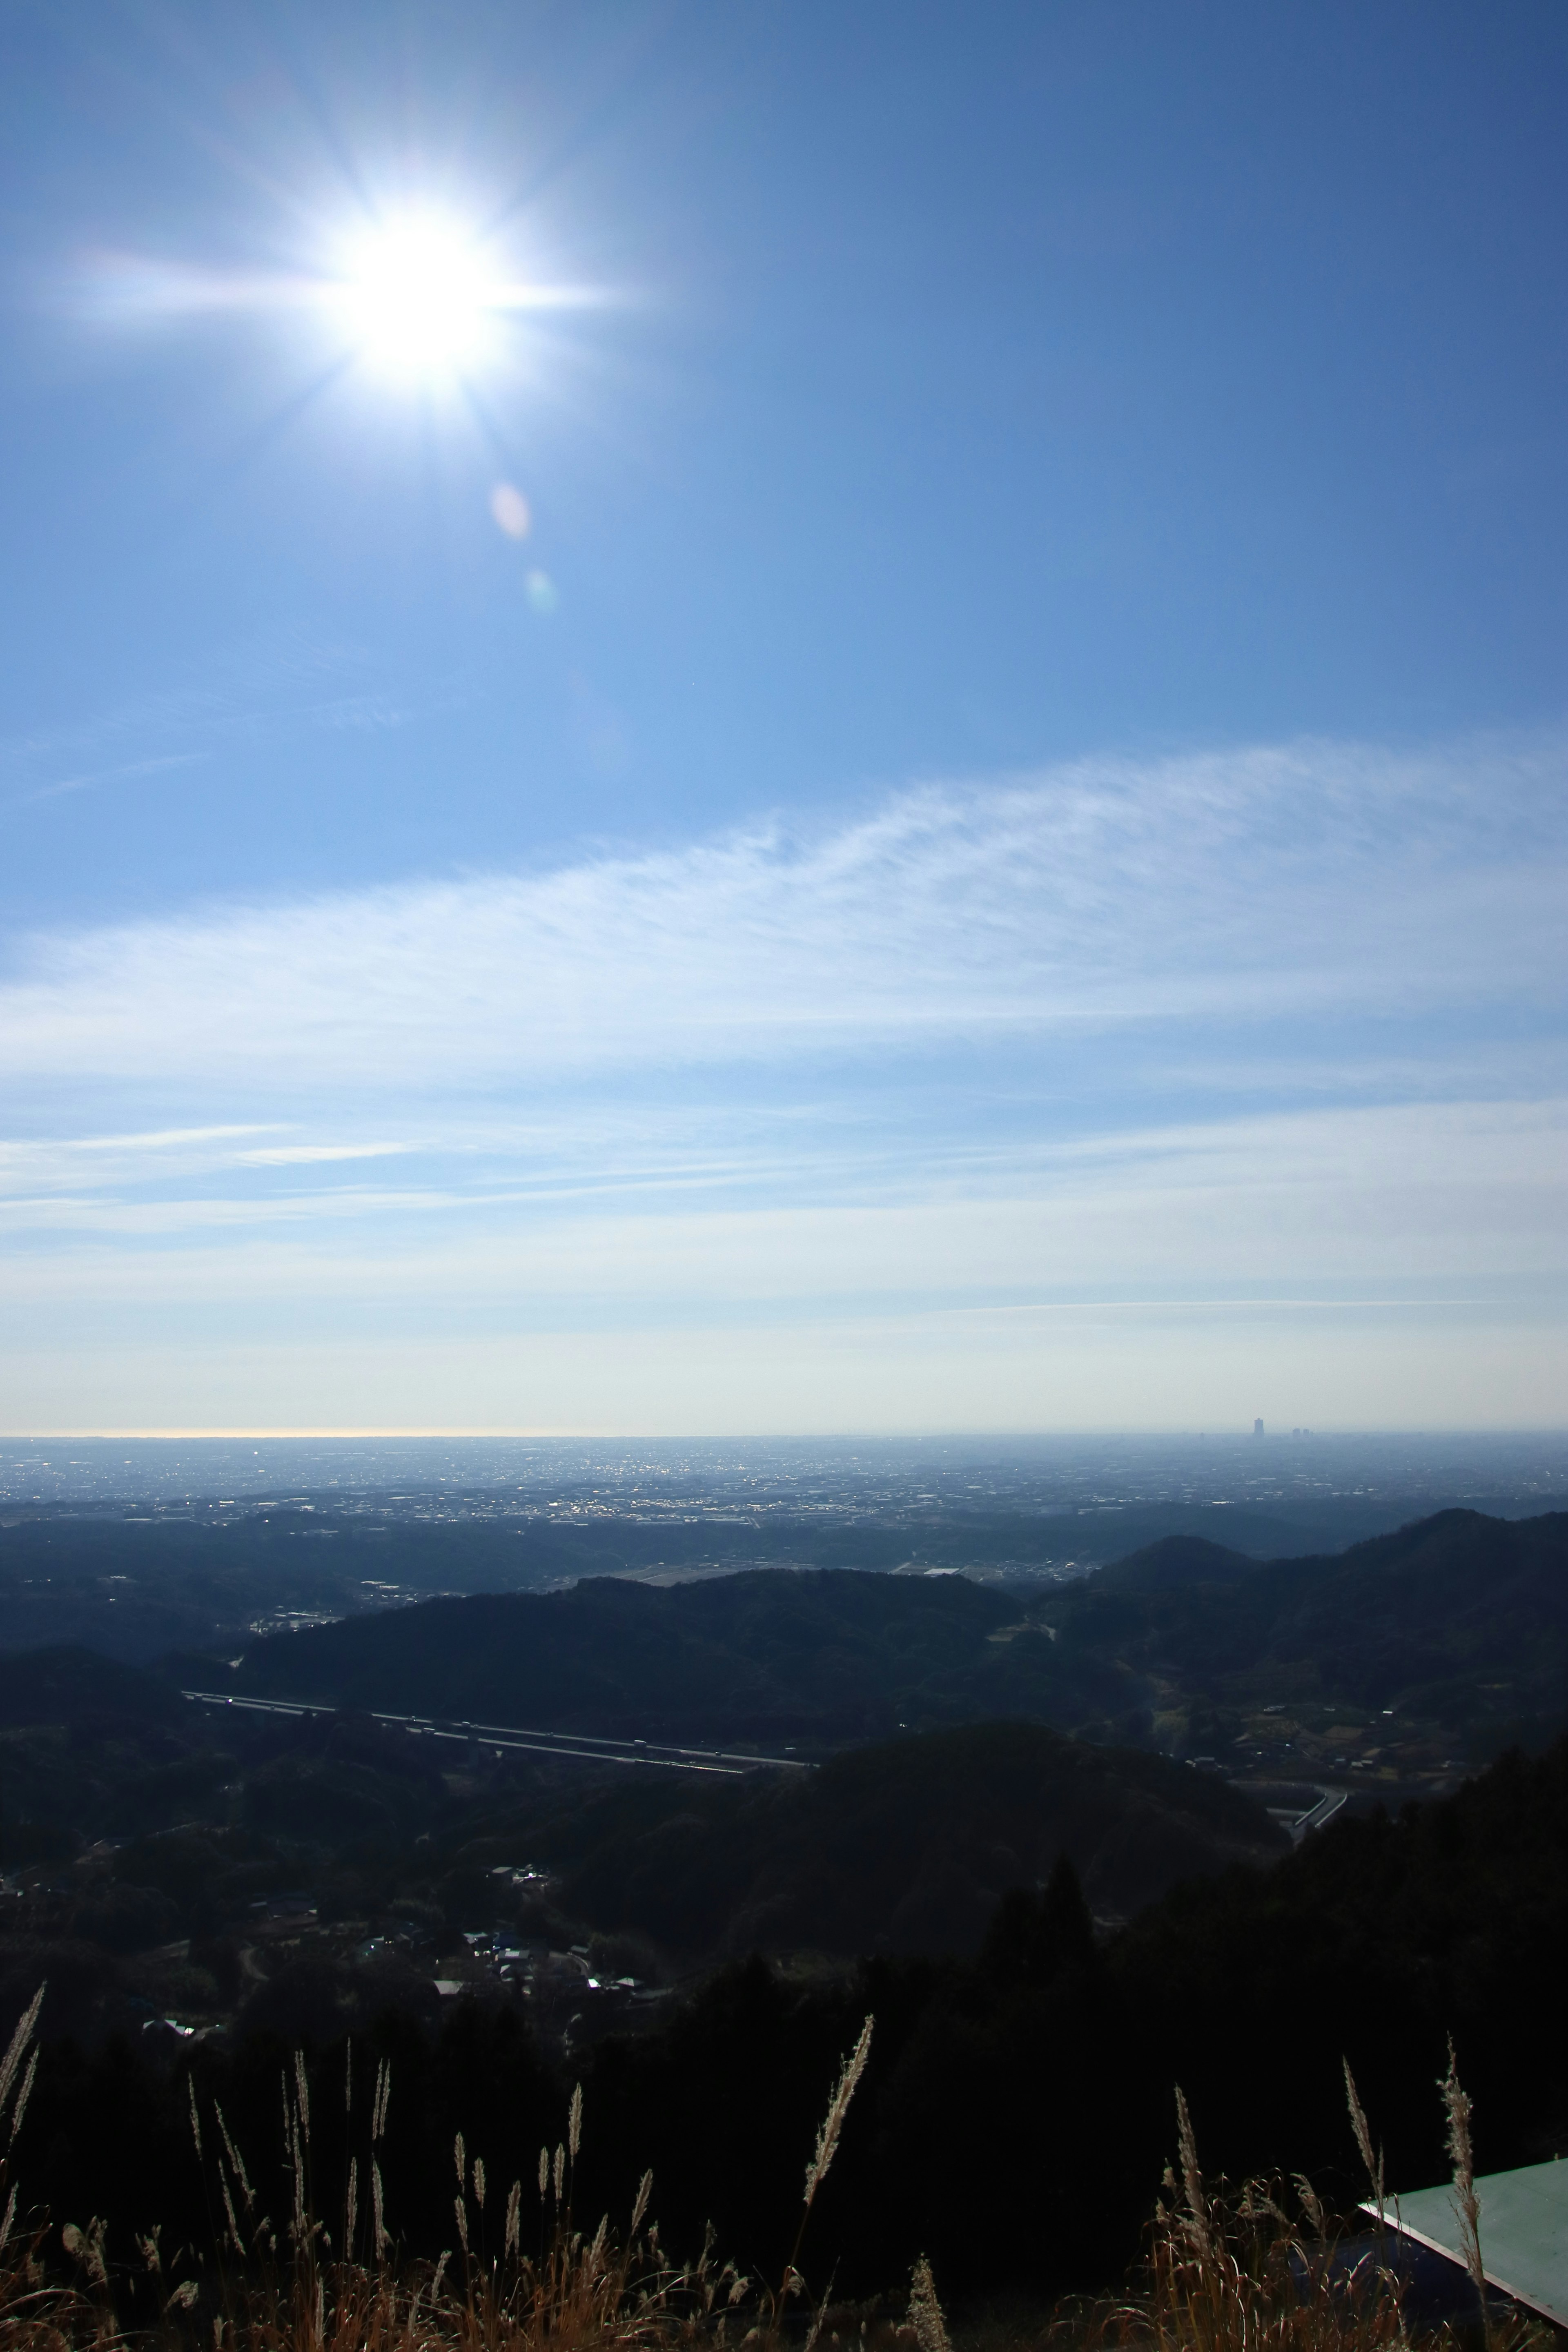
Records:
x=587, y=1747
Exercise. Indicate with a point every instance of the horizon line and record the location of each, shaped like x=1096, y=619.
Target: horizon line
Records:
x=753, y=1436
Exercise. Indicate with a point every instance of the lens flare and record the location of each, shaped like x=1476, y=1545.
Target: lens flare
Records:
x=511, y=510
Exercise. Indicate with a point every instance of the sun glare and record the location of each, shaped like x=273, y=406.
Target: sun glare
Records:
x=415, y=298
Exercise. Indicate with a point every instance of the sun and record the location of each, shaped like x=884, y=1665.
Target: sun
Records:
x=415, y=298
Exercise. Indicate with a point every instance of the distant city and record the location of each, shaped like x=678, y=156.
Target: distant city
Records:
x=1333, y=1488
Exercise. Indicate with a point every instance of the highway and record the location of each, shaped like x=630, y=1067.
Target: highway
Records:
x=585, y=1746
x=1328, y=1805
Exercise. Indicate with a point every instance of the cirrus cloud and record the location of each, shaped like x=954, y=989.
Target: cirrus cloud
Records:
x=1267, y=882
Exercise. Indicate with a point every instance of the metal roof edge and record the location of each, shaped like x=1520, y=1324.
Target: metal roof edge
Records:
x=1390, y=2219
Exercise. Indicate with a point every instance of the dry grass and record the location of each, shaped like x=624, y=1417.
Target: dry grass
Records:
x=1267, y=2270
x=1224, y=2274
x=279, y=2282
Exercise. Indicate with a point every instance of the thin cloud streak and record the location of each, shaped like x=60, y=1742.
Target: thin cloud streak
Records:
x=1412, y=1194
x=1309, y=880
x=249, y=693
x=126, y=772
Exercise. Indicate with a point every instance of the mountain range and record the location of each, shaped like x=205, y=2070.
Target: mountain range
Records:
x=1455, y=1627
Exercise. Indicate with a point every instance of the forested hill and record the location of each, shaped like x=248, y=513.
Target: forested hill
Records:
x=772, y=1656
x=1450, y=1636
x=904, y=1847
x=1458, y=1618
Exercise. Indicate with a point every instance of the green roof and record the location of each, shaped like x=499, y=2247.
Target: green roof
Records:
x=1524, y=2232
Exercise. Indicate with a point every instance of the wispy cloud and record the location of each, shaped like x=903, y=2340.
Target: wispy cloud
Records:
x=1418, y=1200
x=297, y=1155
x=1303, y=881
x=992, y=1103
x=127, y=771
x=253, y=690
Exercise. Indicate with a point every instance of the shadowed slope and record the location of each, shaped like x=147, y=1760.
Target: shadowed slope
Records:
x=906, y=1846
x=768, y=1657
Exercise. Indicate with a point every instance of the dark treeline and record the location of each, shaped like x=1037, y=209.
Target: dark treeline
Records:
x=1016, y=2110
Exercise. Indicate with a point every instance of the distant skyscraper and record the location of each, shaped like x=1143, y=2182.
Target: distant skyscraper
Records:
x=1257, y=1429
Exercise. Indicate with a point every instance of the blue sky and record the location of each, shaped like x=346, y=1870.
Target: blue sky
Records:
x=986, y=851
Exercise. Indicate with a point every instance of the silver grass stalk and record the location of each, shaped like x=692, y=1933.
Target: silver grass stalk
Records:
x=228, y=2208
x=377, y=2209
x=350, y=2216
x=24, y=2095
x=814, y=2331
x=1461, y=2156
x=9, y=2216
x=1363, y=2139
x=543, y=2174
x=574, y=2123
x=837, y=2108
x=560, y=2172
x=461, y=2211
x=236, y=2162
x=479, y=2183
x=295, y=2154
x=645, y=2190
x=1191, y=2177
x=460, y=2159
x=925, y=2310
x=302, y=2092
x=16, y=2049
x=514, y=2219
x=86, y=2246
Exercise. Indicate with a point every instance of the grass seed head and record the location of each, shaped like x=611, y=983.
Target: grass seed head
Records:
x=16, y=2050
x=837, y=2108
x=925, y=2310
x=1461, y=2156
x=1191, y=2177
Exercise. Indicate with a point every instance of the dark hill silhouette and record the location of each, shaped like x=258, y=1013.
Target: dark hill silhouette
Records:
x=769, y=1657
x=1460, y=1617
x=1173, y=1561
x=70, y=1685
x=906, y=1846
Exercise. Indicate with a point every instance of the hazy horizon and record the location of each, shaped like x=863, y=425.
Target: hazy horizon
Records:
x=870, y=1435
